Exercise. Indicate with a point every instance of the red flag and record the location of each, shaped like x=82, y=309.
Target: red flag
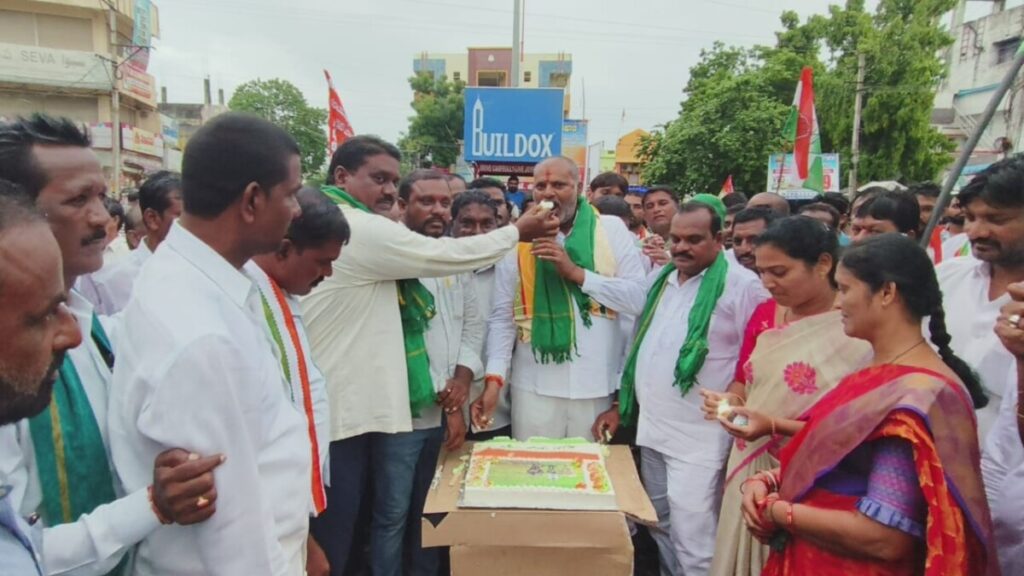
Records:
x=935, y=243
x=727, y=187
x=338, y=128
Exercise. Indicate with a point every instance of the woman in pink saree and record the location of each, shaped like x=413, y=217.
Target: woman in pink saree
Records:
x=794, y=351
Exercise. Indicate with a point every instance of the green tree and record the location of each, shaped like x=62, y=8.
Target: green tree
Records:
x=435, y=129
x=280, y=102
x=738, y=99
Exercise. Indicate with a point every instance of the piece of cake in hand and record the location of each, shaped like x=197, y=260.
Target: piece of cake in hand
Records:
x=546, y=474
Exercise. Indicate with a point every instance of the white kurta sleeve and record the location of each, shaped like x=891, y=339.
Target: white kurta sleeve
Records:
x=501, y=326
x=474, y=328
x=625, y=292
x=382, y=250
x=204, y=402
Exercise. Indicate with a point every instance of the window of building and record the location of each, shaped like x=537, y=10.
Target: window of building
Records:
x=528, y=76
x=457, y=76
x=558, y=79
x=491, y=78
x=1006, y=49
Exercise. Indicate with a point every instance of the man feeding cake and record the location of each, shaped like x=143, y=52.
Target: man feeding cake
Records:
x=690, y=332
x=555, y=317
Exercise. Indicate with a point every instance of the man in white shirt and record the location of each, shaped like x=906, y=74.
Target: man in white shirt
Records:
x=196, y=367
x=555, y=317
x=313, y=242
x=355, y=325
x=473, y=213
x=160, y=202
x=39, y=329
x=974, y=289
x=683, y=455
x=453, y=337
x=1002, y=460
x=60, y=459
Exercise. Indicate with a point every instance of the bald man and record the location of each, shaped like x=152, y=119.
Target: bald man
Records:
x=772, y=201
x=560, y=299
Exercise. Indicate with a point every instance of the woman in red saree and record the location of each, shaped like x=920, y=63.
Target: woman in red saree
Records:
x=884, y=479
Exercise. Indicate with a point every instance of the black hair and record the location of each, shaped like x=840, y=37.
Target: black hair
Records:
x=321, y=221
x=353, y=154
x=735, y=209
x=836, y=200
x=512, y=177
x=115, y=210
x=17, y=161
x=613, y=206
x=610, y=179
x=734, y=199
x=754, y=214
x=898, y=207
x=16, y=207
x=886, y=258
x=694, y=206
x=486, y=182
x=866, y=193
x=474, y=196
x=155, y=192
x=926, y=189
x=822, y=207
x=405, y=187
x=131, y=194
x=802, y=238
x=1000, y=185
x=228, y=154
x=665, y=189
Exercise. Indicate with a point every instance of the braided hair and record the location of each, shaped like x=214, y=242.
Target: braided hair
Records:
x=895, y=258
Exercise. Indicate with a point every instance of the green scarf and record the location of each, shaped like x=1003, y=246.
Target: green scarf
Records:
x=74, y=472
x=416, y=306
x=695, y=347
x=553, y=328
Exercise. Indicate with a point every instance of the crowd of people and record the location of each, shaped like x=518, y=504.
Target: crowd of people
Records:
x=238, y=374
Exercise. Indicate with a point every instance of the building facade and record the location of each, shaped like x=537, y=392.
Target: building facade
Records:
x=58, y=57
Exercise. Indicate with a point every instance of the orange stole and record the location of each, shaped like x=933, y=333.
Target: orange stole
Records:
x=951, y=548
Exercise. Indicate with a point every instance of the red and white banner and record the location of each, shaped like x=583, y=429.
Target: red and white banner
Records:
x=338, y=128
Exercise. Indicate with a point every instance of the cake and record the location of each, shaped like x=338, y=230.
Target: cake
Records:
x=541, y=473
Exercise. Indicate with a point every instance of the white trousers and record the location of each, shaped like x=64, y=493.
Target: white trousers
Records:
x=687, y=498
x=550, y=417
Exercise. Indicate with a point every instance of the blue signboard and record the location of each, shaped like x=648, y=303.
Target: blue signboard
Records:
x=512, y=124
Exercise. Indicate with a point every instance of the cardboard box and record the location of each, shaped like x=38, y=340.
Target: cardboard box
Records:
x=536, y=542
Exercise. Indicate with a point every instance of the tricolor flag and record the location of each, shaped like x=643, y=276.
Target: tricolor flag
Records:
x=802, y=130
x=727, y=187
x=338, y=128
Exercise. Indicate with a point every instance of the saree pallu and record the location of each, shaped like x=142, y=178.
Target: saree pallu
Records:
x=936, y=417
x=790, y=368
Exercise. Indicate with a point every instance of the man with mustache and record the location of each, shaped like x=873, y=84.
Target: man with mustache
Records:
x=748, y=224
x=454, y=337
x=38, y=330
x=555, y=321
x=974, y=289
x=689, y=337
x=90, y=521
x=304, y=258
x=366, y=327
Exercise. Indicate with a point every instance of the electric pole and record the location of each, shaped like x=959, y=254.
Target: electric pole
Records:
x=115, y=108
x=857, y=108
x=517, y=21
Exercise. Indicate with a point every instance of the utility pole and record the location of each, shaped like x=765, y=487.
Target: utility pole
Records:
x=517, y=27
x=857, y=108
x=115, y=107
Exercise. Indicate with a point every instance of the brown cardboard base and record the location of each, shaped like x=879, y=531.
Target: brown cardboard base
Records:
x=514, y=561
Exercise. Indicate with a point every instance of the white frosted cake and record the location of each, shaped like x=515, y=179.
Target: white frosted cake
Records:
x=541, y=473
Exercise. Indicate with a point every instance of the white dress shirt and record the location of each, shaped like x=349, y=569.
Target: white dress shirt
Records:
x=955, y=244
x=353, y=321
x=483, y=282
x=317, y=383
x=669, y=422
x=970, y=320
x=454, y=336
x=196, y=371
x=96, y=542
x=113, y=283
x=600, y=349
x=1002, y=465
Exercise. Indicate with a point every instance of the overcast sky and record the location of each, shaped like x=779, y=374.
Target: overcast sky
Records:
x=630, y=55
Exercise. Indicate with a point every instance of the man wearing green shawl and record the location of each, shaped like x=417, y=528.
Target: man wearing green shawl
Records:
x=557, y=316
x=366, y=326
x=89, y=523
x=688, y=337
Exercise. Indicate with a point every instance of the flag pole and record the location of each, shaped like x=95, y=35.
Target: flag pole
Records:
x=782, y=167
x=968, y=149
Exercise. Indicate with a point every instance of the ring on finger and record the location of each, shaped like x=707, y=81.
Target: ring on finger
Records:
x=201, y=502
x=1014, y=320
